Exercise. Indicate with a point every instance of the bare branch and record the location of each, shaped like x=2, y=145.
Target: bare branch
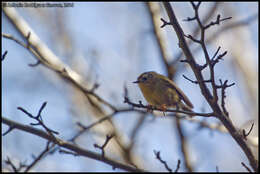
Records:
x=9, y=162
x=246, y=134
x=34, y=64
x=196, y=82
x=195, y=7
x=208, y=16
x=107, y=117
x=108, y=137
x=225, y=28
x=247, y=168
x=217, y=22
x=211, y=99
x=4, y=55
x=178, y=166
x=10, y=128
x=193, y=39
x=39, y=157
x=217, y=170
x=213, y=62
x=69, y=146
x=95, y=86
x=157, y=154
x=216, y=53
x=223, y=96
x=15, y=169
x=39, y=120
x=148, y=107
x=189, y=19
x=164, y=23
x=27, y=39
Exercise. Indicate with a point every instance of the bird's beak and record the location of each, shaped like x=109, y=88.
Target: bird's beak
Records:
x=136, y=81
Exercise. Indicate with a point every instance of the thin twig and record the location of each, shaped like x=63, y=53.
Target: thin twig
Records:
x=15, y=169
x=178, y=166
x=34, y=64
x=70, y=146
x=211, y=99
x=223, y=86
x=140, y=105
x=246, y=134
x=217, y=170
x=196, y=82
x=108, y=137
x=39, y=157
x=247, y=168
x=157, y=155
x=3, y=56
x=10, y=128
x=38, y=118
x=164, y=23
x=217, y=22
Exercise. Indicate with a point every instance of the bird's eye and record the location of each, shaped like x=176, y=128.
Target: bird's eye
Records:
x=144, y=78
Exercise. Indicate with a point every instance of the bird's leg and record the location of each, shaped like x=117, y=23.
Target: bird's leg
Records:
x=164, y=108
x=150, y=108
x=177, y=106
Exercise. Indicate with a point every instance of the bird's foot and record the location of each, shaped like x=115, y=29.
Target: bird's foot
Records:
x=164, y=108
x=150, y=108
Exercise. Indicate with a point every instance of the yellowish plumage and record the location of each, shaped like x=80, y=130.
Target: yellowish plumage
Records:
x=160, y=91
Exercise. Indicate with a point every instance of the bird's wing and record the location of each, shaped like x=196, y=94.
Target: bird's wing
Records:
x=171, y=84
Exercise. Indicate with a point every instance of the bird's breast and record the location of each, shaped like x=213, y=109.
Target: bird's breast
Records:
x=148, y=92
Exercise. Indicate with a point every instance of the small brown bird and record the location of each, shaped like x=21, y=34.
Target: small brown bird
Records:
x=161, y=92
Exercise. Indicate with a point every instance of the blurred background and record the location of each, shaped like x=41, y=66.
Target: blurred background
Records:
x=110, y=44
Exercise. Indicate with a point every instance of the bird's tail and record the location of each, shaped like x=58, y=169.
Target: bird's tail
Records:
x=185, y=108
